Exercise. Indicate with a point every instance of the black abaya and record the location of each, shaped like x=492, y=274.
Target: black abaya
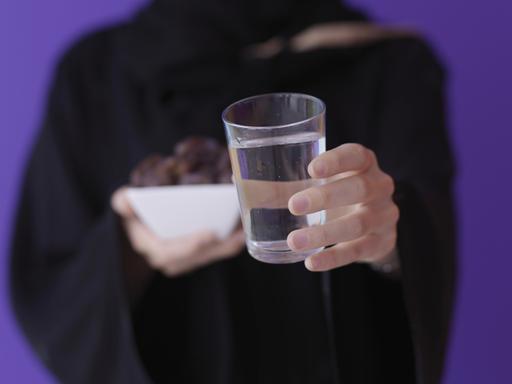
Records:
x=237, y=321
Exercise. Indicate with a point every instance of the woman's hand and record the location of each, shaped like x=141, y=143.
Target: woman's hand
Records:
x=360, y=193
x=174, y=256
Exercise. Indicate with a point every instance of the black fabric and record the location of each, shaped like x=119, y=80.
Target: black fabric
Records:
x=238, y=321
x=179, y=42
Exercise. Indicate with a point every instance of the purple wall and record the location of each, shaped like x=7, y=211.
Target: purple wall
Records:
x=475, y=40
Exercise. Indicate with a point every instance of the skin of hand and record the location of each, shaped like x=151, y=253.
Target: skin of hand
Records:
x=362, y=217
x=179, y=255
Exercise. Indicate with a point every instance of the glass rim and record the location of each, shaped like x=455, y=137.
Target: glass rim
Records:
x=303, y=95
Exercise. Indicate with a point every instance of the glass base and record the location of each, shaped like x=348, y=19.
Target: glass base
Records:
x=277, y=252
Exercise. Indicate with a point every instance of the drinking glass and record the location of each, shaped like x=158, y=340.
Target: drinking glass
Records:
x=272, y=138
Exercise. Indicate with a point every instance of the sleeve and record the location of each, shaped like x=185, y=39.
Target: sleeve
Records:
x=414, y=146
x=66, y=280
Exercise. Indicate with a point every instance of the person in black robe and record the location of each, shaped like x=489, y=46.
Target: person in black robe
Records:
x=84, y=297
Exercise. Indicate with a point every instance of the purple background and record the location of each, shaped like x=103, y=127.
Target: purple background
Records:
x=474, y=39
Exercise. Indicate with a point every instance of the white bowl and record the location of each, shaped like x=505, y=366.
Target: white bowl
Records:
x=172, y=211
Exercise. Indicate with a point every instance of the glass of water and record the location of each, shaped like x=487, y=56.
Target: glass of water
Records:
x=272, y=138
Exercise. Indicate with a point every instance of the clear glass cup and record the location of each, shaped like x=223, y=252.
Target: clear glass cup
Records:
x=272, y=138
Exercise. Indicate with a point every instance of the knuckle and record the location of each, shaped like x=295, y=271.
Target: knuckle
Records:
x=359, y=226
x=370, y=154
x=363, y=187
x=358, y=150
x=388, y=184
x=395, y=214
x=361, y=153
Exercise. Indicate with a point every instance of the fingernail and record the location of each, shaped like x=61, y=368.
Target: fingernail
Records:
x=300, y=240
x=300, y=204
x=320, y=168
x=309, y=264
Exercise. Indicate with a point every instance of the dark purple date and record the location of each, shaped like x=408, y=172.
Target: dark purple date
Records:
x=196, y=160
